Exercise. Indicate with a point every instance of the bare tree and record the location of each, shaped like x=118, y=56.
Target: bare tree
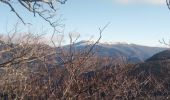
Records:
x=30, y=69
x=168, y=3
x=44, y=8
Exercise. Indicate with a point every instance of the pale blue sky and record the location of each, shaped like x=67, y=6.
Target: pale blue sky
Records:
x=142, y=22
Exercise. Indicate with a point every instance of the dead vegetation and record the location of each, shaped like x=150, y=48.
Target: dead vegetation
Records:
x=32, y=70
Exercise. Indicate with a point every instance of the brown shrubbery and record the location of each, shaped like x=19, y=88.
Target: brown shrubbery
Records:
x=32, y=70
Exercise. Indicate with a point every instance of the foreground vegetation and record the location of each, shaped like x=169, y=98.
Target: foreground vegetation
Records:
x=32, y=70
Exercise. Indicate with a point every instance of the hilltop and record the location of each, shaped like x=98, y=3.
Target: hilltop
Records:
x=131, y=52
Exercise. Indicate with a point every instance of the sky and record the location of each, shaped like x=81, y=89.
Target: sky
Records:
x=143, y=22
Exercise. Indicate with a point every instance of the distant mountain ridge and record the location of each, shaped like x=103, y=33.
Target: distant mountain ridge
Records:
x=164, y=55
x=132, y=52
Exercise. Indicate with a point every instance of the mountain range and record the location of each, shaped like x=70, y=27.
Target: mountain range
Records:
x=131, y=52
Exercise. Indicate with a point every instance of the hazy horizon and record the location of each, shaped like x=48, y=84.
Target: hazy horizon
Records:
x=142, y=22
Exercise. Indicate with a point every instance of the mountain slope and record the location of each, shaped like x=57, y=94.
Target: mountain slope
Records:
x=132, y=52
x=164, y=55
x=154, y=73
